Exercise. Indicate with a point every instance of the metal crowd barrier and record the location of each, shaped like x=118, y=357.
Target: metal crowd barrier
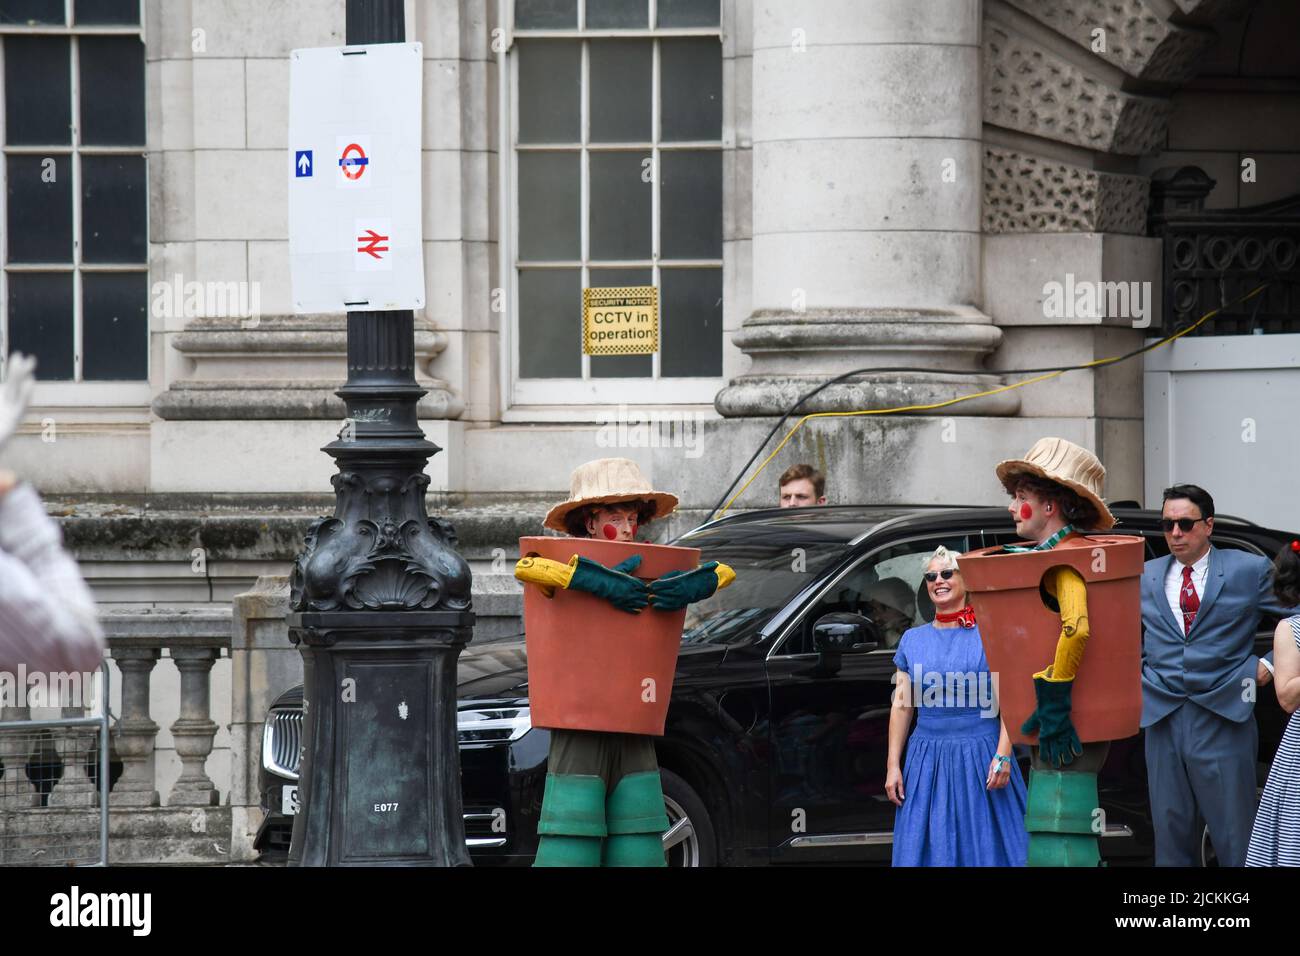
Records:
x=54, y=783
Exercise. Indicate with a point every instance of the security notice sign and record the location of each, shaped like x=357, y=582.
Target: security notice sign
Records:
x=620, y=320
x=354, y=178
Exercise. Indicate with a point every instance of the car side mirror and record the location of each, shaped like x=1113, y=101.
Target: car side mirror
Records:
x=842, y=632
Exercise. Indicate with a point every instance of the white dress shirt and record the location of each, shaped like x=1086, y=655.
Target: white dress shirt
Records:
x=1174, y=583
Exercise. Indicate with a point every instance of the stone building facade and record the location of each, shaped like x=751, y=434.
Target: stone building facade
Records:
x=817, y=188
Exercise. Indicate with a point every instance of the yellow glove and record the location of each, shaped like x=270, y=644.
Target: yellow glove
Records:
x=545, y=573
x=1071, y=593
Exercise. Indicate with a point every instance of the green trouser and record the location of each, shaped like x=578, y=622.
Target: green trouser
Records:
x=603, y=805
x=1061, y=810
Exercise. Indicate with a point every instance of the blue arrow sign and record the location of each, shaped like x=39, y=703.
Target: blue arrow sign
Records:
x=302, y=163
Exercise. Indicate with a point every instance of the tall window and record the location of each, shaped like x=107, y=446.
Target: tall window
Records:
x=617, y=181
x=74, y=286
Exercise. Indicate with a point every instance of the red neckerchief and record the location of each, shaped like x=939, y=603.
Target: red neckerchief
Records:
x=965, y=617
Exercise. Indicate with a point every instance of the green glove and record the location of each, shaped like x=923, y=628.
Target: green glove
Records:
x=621, y=590
x=628, y=565
x=1058, y=744
x=676, y=589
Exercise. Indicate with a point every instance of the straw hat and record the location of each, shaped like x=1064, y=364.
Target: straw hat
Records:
x=608, y=481
x=1067, y=464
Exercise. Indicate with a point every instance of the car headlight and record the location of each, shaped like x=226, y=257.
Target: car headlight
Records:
x=484, y=725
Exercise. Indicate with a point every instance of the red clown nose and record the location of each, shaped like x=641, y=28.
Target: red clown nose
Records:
x=609, y=531
x=1026, y=512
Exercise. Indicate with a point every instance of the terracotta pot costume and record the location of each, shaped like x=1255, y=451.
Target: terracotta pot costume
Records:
x=1033, y=602
x=602, y=649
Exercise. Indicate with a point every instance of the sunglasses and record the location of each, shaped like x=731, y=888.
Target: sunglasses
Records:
x=933, y=576
x=1184, y=524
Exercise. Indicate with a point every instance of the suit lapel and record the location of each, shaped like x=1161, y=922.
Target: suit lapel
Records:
x=1213, y=585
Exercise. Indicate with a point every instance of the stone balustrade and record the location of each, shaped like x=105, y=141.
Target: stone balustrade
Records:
x=48, y=801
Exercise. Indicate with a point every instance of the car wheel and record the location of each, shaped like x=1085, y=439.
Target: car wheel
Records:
x=689, y=839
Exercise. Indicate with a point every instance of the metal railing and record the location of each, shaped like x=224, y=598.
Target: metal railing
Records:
x=54, y=783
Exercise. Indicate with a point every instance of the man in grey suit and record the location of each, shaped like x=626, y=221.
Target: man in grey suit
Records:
x=1201, y=608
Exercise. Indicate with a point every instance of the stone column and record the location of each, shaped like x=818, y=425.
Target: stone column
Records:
x=135, y=732
x=194, y=729
x=866, y=188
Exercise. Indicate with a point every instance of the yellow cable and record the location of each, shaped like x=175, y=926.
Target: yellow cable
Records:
x=993, y=391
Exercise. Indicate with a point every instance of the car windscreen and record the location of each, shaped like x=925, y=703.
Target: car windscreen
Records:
x=770, y=570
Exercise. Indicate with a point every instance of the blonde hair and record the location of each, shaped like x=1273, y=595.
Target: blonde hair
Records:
x=945, y=558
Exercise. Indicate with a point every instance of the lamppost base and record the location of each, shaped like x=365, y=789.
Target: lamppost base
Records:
x=374, y=684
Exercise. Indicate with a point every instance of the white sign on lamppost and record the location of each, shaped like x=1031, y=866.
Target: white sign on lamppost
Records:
x=354, y=178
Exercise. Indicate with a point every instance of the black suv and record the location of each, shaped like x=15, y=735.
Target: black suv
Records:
x=774, y=750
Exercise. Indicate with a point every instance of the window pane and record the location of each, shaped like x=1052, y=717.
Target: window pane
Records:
x=39, y=212
x=31, y=11
x=550, y=84
x=107, y=11
x=617, y=14
x=114, y=212
x=38, y=91
x=620, y=366
x=549, y=206
x=40, y=321
x=691, y=72
x=690, y=217
x=114, y=327
x=689, y=13
x=691, y=322
x=546, y=14
x=620, y=207
x=550, y=323
x=620, y=91
x=112, y=91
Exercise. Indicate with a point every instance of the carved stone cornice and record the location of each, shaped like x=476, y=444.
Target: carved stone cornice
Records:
x=1027, y=193
x=1033, y=90
x=1137, y=38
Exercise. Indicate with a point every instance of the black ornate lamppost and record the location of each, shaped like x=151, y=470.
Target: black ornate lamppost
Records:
x=380, y=611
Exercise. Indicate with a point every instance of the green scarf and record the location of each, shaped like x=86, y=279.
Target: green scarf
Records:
x=1047, y=545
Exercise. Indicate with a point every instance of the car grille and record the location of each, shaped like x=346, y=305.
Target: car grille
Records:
x=480, y=831
x=282, y=744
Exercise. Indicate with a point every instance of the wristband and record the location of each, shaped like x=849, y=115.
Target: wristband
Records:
x=1002, y=761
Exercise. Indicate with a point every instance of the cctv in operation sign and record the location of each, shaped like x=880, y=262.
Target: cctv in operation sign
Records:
x=620, y=320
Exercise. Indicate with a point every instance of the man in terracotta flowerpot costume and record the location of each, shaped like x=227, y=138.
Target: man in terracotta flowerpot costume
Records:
x=1056, y=496
x=603, y=804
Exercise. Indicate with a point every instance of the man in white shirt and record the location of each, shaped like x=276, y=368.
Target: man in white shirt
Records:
x=48, y=620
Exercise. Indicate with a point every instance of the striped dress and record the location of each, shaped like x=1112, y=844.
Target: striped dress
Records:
x=1275, y=839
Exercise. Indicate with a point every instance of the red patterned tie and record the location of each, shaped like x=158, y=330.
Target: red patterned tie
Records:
x=1188, y=600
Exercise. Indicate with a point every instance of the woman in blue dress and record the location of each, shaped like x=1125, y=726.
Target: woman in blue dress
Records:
x=1275, y=838
x=959, y=793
